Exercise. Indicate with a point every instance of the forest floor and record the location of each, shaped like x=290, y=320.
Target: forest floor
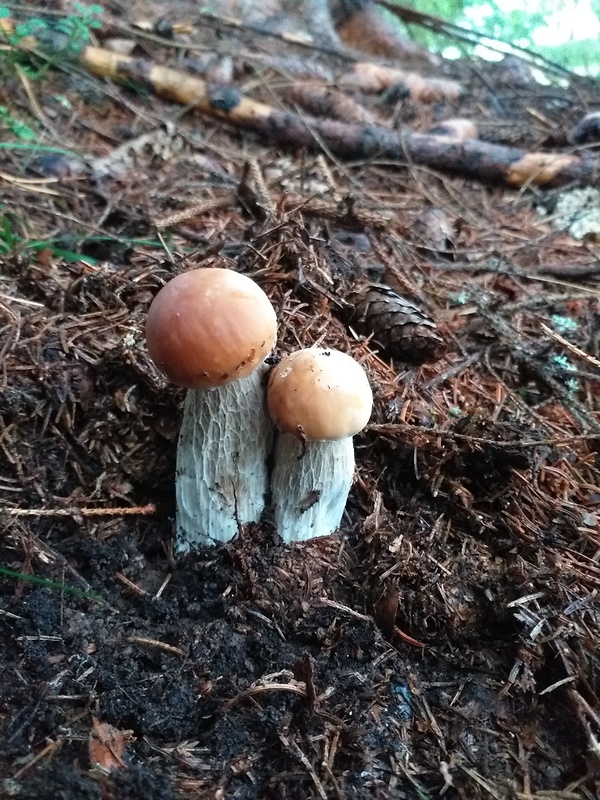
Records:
x=445, y=641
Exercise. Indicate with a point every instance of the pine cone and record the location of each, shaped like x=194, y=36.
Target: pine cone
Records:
x=398, y=326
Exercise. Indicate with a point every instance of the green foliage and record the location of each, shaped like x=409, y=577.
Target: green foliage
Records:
x=69, y=35
x=512, y=26
x=48, y=584
x=73, y=31
x=32, y=27
x=516, y=26
x=37, y=148
x=15, y=241
x=77, y=27
x=8, y=239
x=581, y=56
x=20, y=129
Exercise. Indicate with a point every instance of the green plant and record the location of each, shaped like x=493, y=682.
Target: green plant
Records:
x=14, y=240
x=20, y=129
x=37, y=148
x=522, y=27
x=48, y=584
x=73, y=32
x=78, y=26
x=8, y=238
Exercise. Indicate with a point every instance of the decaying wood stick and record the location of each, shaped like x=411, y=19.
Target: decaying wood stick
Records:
x=472, y=159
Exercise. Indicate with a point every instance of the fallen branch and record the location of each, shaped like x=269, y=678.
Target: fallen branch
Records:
x=471, y=159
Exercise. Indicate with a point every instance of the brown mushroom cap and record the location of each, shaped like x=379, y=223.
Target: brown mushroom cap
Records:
x=209, y=327
x=319, y=394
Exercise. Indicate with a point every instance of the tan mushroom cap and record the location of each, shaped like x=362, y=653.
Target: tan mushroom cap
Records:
x=319, y=394
x=456, y=128
x=209, y=327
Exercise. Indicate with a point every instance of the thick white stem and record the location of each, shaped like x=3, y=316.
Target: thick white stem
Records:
x=310, y=485
x=222, y=478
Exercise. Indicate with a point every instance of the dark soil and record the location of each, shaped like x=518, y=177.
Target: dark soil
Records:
x=445, y=642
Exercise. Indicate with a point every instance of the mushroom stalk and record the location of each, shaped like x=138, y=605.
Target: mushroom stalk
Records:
x=222, y=478
x=310, y=485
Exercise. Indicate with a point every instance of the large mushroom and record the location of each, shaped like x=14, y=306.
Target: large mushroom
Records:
x=210, y=330
x=318, y=399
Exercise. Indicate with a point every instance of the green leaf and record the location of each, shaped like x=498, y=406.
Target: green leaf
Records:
x=20, y=129
x=62, y=587
x=30, y=28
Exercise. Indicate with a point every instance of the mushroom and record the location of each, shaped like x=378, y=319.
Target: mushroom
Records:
x=210, y=330
x=457, y=129
x=318, y=399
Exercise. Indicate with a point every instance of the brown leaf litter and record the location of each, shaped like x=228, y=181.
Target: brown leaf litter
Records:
x=445, y=642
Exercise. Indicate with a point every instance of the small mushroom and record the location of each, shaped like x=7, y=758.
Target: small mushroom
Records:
x=457, y=129
x=318, y=399
x=210, y=330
